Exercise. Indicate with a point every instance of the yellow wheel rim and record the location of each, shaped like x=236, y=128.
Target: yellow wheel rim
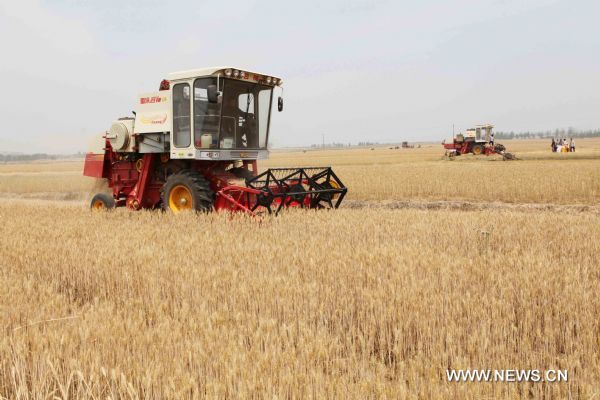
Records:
x=180, y=199
x=98, y=205
x=477, y=150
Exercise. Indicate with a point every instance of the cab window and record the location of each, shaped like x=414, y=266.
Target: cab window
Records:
x=182, y=134
x=206, y=115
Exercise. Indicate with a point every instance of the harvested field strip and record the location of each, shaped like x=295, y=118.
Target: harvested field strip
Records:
x=76, y=201
x=469, y=206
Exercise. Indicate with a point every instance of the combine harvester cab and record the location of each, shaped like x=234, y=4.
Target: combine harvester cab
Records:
x=194, y=145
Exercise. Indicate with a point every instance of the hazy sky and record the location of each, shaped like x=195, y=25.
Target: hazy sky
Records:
x=353, y=70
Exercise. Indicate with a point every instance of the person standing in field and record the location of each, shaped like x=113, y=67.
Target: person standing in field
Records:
x=492, y=139
x=572, y=145
x=553, y=145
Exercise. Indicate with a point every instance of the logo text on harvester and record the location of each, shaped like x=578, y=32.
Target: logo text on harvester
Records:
x=507, y=375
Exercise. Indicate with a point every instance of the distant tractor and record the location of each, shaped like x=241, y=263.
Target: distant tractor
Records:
x=478, y=140
x=194, y=145
x=405, y=145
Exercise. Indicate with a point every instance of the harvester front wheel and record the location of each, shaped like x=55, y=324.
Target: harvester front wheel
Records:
x=477, y=149
x=186, y=191
x=102, y=201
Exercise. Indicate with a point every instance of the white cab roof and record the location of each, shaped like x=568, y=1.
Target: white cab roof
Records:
x=193, y=73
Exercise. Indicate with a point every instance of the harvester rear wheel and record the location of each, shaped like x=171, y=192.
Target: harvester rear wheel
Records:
x=102, y=201
x=477, y=149
x=186, y=191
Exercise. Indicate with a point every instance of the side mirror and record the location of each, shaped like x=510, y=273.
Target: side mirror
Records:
x=280, y=104
x=214, y=96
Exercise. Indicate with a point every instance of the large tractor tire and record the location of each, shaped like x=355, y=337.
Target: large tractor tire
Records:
x=102, y=201
x=187, y=191
x=477, y=149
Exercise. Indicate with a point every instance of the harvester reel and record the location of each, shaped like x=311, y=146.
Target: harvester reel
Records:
x=297, y=193
x=315, y=187
x=326, y=197
x=264, y=200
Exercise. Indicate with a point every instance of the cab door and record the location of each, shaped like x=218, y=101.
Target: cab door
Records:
x=181, y=134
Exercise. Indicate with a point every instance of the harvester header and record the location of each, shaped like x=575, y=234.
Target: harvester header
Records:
x=194, y=145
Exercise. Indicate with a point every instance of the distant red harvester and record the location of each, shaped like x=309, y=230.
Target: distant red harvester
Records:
x=478, y=140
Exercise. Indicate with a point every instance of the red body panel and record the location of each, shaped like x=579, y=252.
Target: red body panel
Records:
x=136, y=181
x=94, y=165
x=467, y=147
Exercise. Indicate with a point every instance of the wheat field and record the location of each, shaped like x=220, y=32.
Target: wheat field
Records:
x=383, y=173
x=353, y=303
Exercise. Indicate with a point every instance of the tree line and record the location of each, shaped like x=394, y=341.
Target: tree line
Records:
x=8, y=157
x=557, y=133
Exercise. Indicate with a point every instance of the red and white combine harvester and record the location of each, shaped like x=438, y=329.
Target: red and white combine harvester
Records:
x=478, y=140
x=194, y=145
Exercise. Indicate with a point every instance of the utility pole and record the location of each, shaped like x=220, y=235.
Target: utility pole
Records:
x=323, y=140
